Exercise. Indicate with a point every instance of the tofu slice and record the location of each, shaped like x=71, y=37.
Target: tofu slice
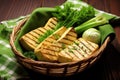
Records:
x=68, y=37
x=79, y=50
x=30, y=40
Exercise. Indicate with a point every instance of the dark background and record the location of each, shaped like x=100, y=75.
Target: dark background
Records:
x=107, y=68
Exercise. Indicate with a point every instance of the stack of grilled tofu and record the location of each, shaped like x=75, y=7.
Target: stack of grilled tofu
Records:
x=30, y=40
x=49, y=49
x=61, y=46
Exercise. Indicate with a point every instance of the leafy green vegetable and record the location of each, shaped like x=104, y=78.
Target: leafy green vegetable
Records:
x=70, y=16
x=56, y=36
x=30, y=54
x=45, y=35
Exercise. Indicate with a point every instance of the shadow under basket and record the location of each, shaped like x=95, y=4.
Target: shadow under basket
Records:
x=54, y=69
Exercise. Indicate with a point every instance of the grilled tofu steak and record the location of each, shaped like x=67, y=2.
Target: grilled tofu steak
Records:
x=30, y=40
x=68, y=37
x=79, y=50
x=48, y=50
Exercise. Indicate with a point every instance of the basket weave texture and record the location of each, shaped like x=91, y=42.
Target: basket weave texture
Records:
x=54, y=69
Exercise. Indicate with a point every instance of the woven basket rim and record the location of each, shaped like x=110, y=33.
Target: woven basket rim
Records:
x=43, y=63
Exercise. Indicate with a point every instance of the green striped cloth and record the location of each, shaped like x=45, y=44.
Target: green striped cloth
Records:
x=9, y=68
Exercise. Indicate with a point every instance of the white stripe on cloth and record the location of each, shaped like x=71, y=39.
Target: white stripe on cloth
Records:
x=4, y=67
x=5, y=44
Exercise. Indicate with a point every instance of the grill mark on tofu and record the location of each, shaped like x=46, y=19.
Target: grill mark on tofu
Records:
x=31, y=37
x=71, y=54
x=72, y=33
x=80, y=48
x=48, y=27
x=49, y=52
x=46, y=47
x=70, y=37
x=77, y=52
x=85, y=44
x=31, y=42
x=51, y=23
x=55, y=19
x=43, y=30
x=48, y=57
x=66, y=52
x=46, y=43
x=53, y=48
x=94, y=46
x=38, y=30
x=51, y=40
x=63, y=57
x=50, y=49
x=83, y=52
x=32, y=34
x=66, y=41
x=86, y=48
x=91, y=47
x=51, y=44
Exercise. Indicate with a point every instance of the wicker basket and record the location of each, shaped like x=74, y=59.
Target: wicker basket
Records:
x=54, y=69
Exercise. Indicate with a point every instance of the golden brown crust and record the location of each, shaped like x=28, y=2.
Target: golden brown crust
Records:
x=80, y=50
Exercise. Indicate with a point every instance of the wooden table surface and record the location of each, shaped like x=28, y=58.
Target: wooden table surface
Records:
x=107, y=68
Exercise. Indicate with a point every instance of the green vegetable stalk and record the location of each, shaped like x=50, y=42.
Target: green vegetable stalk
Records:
x=113, y=19
x=96, y=21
